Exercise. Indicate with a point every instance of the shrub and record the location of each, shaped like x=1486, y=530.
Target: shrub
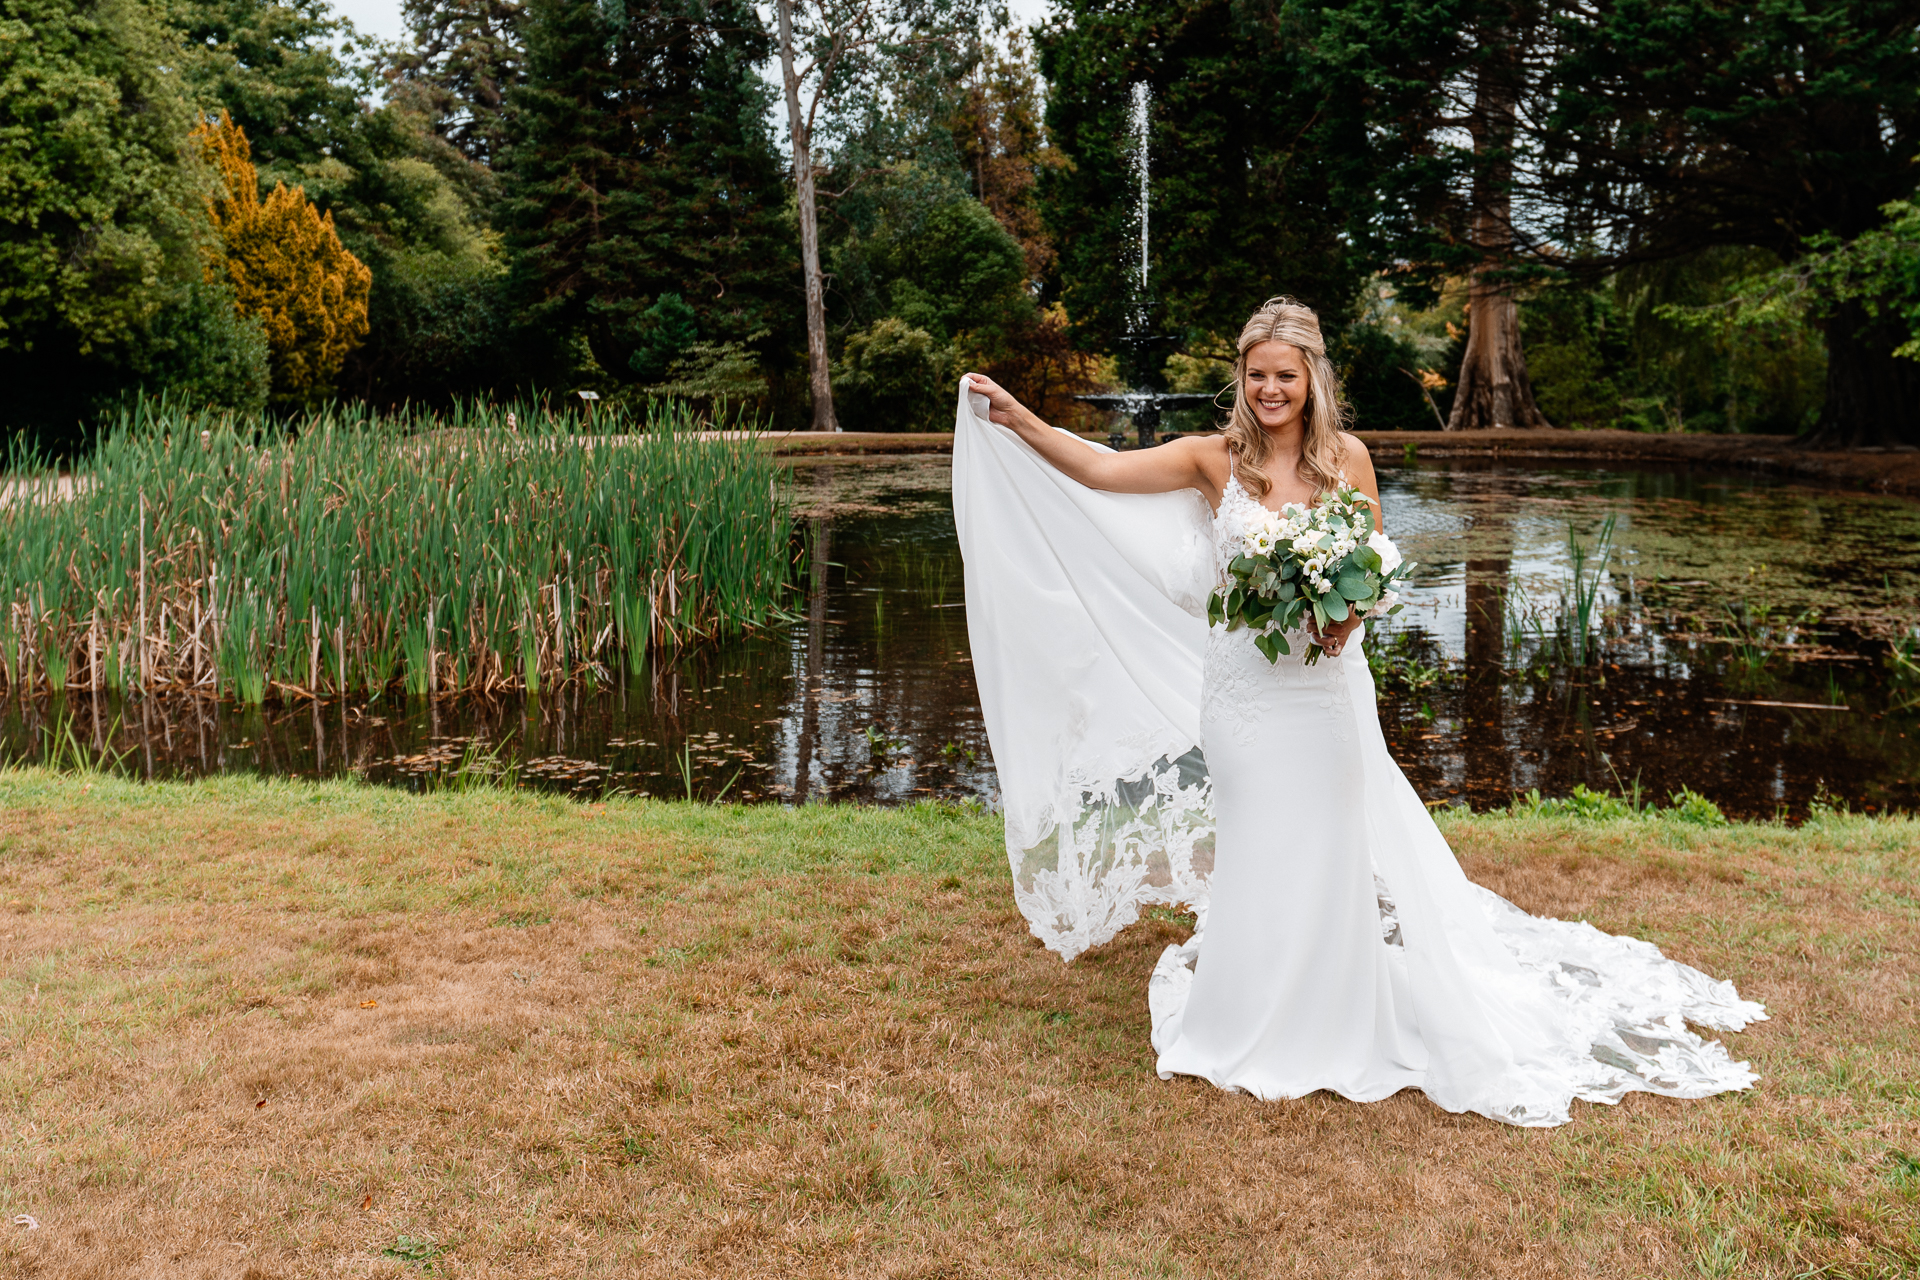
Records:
x=893, y=378
x=287, y=268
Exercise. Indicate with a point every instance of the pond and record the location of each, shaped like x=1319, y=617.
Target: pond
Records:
x=1754, y=641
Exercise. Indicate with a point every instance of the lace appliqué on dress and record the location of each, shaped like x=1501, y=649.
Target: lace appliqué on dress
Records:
x=1128, y=843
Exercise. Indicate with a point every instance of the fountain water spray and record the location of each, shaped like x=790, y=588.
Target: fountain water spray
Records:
x=1145, y=403
x=1139, y=119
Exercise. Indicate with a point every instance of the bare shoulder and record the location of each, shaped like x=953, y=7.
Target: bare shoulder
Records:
x=1354, y=453
x=1208, y=454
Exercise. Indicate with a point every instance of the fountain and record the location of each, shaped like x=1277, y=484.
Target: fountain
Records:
x=1141, y=364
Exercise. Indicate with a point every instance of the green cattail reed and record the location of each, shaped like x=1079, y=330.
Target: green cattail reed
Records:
x=349, y=552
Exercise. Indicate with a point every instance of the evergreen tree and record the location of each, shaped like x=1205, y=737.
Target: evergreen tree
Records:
x=466, y=57
x=999, y=136
x=641, y=167
x=1776, y=124
x=283, y=70
x=1442, y=92
x=1631, y=133
x=287, y=269
x=1241, y=161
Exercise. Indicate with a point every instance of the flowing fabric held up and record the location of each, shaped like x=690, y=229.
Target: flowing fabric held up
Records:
x=1087, y=616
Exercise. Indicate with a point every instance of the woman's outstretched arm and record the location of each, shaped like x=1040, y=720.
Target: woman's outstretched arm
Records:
x=1180, y=464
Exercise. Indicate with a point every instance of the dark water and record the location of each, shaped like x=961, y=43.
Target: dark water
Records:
x=1724, y=594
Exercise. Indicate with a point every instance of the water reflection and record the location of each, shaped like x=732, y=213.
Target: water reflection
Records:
x=868, y=695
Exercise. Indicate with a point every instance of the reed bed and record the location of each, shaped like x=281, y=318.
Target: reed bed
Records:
x=484, y=549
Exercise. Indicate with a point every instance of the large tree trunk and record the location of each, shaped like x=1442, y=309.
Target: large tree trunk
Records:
x=1493, y=388
x=1873, y=396
x=818, y=373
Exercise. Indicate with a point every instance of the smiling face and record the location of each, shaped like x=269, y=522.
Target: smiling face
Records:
x=1277, y=385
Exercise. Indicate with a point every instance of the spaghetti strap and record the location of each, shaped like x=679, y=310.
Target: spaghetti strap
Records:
x=1230, y=476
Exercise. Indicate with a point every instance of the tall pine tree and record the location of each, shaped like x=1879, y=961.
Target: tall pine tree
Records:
x=642, y=183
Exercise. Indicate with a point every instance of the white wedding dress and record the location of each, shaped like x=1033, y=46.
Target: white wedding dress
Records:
x=1145, y=758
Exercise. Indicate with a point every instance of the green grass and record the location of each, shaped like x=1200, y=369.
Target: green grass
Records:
x=350, y=551
x=290, y=1029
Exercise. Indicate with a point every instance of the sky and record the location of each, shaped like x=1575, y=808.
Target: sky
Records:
x=382, y=17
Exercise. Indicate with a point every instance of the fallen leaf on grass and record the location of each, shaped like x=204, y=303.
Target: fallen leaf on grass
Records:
x=26, y=1220
x=367, y=1203
x=369, y=1004
x=261, y=1103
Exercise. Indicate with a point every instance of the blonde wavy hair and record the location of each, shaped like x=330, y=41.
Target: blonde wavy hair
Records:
x=1282, y=319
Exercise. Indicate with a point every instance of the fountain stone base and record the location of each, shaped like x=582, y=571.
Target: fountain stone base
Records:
x=1145, y=408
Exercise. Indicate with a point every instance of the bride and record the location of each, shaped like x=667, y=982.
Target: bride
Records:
x=1145, y=758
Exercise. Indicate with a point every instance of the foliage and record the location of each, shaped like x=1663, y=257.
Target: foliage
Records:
x=1583, y=803
x=466, y=57
x=715, y=373
x=283, y=70
x=1379, y=363
x=200, y=351
x=893, y=378
x=348, y=551
x=1001, y=145
x=287, y=268
x=937, y=259
x=101, y=231
x=1040, y=363
x=95, y=206
x=1877, y=272
x=404, y=201
x=1781, y=125
x=665, y=332
x=1689, y=805
x=641, y=167
x=1241, y=167
x=1685, y=805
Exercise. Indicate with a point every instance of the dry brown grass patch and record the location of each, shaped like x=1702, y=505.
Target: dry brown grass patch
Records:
x=261, y=1029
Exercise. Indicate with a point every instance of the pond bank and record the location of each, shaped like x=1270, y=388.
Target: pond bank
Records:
x=520, y=1035
x=1879, y=470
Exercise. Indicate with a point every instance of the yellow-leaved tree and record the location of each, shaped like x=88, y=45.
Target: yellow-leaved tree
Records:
x=287, y=267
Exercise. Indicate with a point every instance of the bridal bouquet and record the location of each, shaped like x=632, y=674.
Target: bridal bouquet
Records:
x=1327, y=559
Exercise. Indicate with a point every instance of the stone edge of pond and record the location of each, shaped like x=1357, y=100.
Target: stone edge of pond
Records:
x=1879, y=470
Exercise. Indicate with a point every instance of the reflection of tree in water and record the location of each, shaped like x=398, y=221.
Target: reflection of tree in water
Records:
x=819, y=552
x=1483, y=720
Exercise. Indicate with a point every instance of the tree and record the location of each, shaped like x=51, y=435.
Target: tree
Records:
x=1241, y=163
x=101, y=235
x=287, y=268
x=1783, y=125
x=404, y=200
x=283, y=70
x=96, y=189
x=641, y=167
x=1493, y=389
x=999, y=134
x=466, y=57
x=1438, y=96
x=842, y=64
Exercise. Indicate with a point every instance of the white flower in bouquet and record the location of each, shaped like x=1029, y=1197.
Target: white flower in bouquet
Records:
x=1383, y=547
x=1326, y=564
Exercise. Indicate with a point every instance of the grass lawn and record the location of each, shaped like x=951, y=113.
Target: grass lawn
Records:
x=265, y=1029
